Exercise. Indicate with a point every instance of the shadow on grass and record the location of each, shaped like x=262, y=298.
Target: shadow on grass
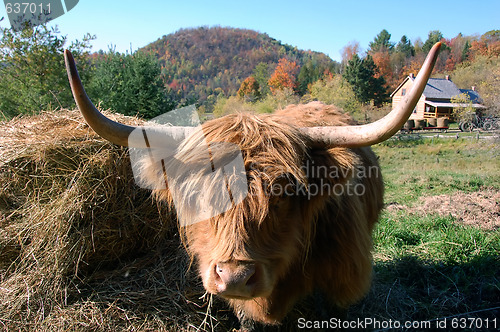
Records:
x=410, y=289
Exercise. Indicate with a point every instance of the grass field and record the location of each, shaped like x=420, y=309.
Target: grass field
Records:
x=414, y=168
x=437, y=246
x=83, y=249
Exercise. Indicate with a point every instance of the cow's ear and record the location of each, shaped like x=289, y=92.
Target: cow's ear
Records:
x=331, y=166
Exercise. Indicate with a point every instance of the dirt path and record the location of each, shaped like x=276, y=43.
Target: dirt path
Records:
x=479, y=209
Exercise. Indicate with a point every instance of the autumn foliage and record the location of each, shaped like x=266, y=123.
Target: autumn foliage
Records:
x=482, y=47
x=382, y=60
x=284, y=76
x=249, y=88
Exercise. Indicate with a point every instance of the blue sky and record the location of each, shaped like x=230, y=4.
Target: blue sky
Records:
x=318, y=25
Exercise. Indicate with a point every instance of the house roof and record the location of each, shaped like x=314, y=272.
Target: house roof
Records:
x=475, y=98
x=442, y=88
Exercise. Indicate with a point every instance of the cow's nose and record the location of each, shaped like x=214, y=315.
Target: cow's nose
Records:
x=235, y=279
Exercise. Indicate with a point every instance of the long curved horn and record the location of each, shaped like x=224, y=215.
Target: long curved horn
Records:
x=116, y=132
x=378, y=131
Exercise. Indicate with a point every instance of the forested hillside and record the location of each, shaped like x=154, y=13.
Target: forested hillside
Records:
x=200, y=64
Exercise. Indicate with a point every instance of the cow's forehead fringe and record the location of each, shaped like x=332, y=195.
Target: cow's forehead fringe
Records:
x=272, y=146
x=270, y=150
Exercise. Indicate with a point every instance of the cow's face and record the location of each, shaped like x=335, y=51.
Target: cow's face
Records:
x=243, y=254
x=245, y=251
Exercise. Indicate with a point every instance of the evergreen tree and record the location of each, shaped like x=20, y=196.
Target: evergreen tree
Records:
x=405, y=47
x=465, y=51
x=433, y=37
x=307, y=75
x=361, y=75
x=130, y=84
x=32, y=72
x=382, y=41
x=312, y=71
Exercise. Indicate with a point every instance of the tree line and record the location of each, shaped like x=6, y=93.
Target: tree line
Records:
x=226, y=69
x=367, y=79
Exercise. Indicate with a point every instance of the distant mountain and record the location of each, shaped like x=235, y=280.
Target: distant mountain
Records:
x=198, y=64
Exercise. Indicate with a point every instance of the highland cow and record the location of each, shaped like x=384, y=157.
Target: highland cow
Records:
x=315, y=193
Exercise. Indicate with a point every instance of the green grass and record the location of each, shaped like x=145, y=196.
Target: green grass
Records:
x=430, y=267
x=433, y=238
x=412, y=169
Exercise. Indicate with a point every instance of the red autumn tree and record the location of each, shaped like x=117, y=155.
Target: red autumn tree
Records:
x=451, y=63
x=485, y=48
x=249, y=88
x=382, y=60
x=284, y=76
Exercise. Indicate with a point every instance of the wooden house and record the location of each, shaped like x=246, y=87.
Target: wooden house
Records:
x=435, y=101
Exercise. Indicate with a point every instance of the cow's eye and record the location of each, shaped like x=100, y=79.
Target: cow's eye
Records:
x=280, y=201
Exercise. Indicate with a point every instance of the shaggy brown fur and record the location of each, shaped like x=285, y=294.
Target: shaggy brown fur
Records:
x=301, y=241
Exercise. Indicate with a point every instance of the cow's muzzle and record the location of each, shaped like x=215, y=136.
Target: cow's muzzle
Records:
x=236, y=279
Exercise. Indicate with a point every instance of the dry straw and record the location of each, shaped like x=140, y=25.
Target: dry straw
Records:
x=81, y=246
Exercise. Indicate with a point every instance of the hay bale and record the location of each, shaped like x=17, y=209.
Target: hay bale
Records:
x=81, y=246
